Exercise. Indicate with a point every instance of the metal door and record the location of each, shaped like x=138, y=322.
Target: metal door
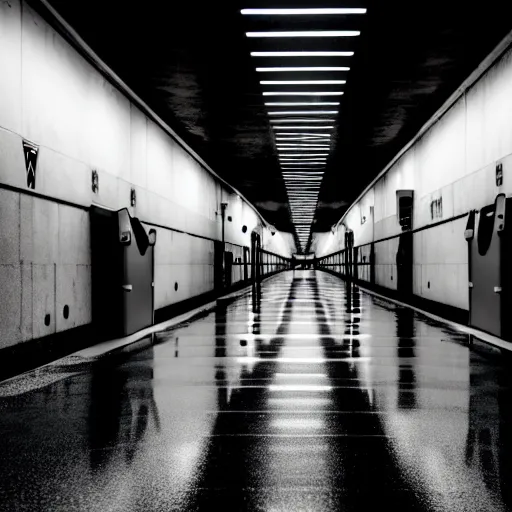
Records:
x=485, y=244
x=138, y=273
x=122, y=273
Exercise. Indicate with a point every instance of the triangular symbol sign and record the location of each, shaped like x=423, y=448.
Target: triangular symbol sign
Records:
x=30, y=152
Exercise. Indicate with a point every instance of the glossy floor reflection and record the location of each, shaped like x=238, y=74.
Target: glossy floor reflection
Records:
x=304, y=396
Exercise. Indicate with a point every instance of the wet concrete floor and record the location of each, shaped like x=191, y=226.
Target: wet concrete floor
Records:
x=306, y=396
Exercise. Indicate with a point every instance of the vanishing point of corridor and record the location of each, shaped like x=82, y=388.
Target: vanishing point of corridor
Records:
x=304, y=395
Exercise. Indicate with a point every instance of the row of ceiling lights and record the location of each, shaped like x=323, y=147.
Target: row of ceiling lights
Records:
x=303, y=168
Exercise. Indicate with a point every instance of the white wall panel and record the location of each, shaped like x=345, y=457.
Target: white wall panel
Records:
x=453, y=162
x=53, y=97
x=10, y=50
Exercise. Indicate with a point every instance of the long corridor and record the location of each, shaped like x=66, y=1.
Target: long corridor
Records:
x=304, y=395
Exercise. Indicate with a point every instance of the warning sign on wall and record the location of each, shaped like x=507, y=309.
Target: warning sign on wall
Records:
x=30, y=151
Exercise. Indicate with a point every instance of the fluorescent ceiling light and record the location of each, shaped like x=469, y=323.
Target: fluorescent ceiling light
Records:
x=303, y=82
x=304, y=135
x=302, y=139
x=302, y=54
x=321, y=136
x=302, y=112
x=304, y=149
x=306, y=11
x=284, y=121
x=305, y=93
x=328, y=142
x=288, y=147
x=303, y=127
x=305, y=154
x=302, y=104
x=306, y=33
x=283, y=69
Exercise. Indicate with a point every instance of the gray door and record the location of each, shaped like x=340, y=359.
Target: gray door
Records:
x=138, y=279
x=485, y=262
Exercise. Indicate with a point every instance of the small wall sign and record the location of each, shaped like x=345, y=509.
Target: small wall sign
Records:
x=30, y=152
x=499, y=175
x=95, y=182
x=436, y=208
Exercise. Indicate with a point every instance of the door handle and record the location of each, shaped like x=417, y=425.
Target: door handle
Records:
x=127, y=287
x=497, y=289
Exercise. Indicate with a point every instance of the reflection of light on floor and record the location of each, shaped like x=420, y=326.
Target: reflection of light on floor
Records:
x=298, y=387
x=249, y=362
x=301, y=376
x=301, y=360
x=299, y=402
x=300, y=423
x=187, y=454
x=294, y=449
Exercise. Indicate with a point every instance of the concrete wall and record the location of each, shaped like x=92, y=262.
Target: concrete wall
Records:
x=454, y=162
x=52, y=97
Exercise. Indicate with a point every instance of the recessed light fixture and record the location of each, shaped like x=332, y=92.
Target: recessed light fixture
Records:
x=302, y=54
x=302, y=104
x=301, y=112
x=306, y=11
x=306, y=33
x=302, y=127
x=305, y=154
x=303, y=82
x=305, y=93
x=306, y=136
x=283, y=69
x=321, y=151
x=302, y=139
x=280, y=121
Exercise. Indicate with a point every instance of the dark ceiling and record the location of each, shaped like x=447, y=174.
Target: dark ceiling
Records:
x=191, y=63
